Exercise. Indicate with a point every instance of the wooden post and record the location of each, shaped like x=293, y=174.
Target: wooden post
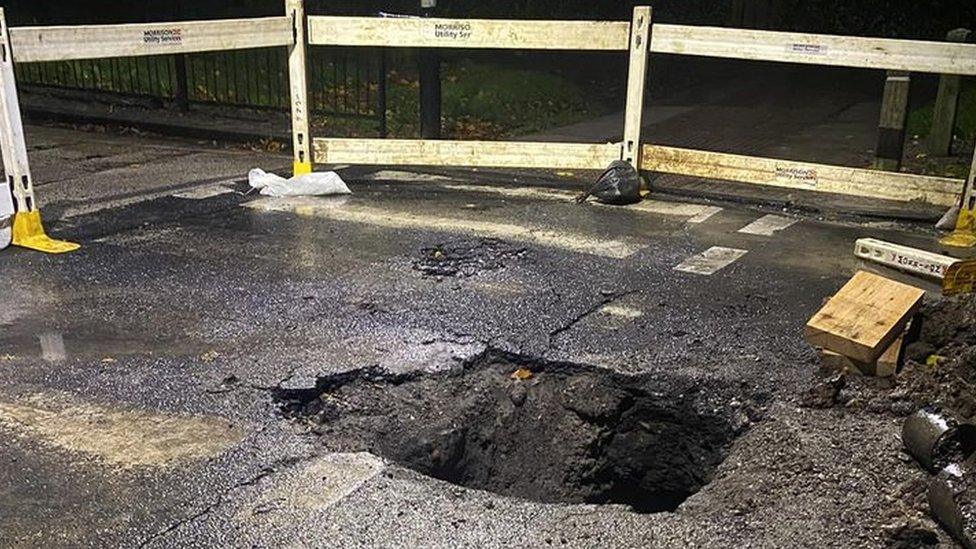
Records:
x=939, y=142
x=298, y=84
x=891, y=129
x=640, y=40
x=181, y=89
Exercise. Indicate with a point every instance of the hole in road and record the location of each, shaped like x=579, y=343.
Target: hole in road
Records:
x=467, y=257
x=550, y=432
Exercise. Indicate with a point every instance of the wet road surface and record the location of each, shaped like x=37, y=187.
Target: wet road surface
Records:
x=136, y=395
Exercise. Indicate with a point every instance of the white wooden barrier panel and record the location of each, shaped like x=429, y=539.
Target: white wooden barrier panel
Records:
x=402, y=32
x=816, y=49
x=903, y=187
x=484, y=154
x=641, y=38
x=99, y=41
x=411, y=32
x=62, y=43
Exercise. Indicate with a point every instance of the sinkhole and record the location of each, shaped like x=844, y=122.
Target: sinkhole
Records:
x=532, y=429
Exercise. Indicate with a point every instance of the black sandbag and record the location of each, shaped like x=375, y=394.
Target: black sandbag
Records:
x=619, y=185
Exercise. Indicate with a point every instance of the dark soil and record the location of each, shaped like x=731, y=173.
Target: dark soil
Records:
x=939, y=369
x=550, y=432
x=467, y=257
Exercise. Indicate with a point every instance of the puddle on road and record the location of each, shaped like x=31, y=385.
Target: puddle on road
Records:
x=549, y=432
x=467, y=257
x=96, y=343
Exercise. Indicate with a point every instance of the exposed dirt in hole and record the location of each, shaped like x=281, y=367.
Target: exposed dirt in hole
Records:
x=467, y=257
x=550, y=432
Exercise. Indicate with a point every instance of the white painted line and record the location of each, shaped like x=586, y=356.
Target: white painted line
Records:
x=622, y=311
x=708, y=212
x=412, y=177
x=710, y=261
x=204, y=191
x=308, y=206
x=116, y=436
x=679, y=209
x=767, y=225
x=52, y=347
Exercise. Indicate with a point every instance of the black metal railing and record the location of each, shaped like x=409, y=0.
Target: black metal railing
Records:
x=342, y=82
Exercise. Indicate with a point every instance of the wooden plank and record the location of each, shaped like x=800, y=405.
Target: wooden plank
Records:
x=488, y=154
x=903, y=187
x=57, y=43
x=885, y=366
x=865, y=317
x=415, y=32
x=816, y=49
x=636, y=81
x=298, y=87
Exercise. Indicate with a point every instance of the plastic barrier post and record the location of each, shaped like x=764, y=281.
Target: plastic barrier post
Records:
x=27, y=230
x=298, y=83
x=640, y=45
x=964, y=235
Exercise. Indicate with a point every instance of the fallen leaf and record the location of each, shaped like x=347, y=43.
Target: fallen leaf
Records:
x=522, y=374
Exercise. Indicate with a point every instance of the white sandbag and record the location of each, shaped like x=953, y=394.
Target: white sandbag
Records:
x=310, y=184
x=6, y=231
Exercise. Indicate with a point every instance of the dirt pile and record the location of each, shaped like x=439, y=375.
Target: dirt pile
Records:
x=939, y=369
x=467, y=257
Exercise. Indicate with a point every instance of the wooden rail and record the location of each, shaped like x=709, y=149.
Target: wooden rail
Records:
x=30, y=44
x=802, y=175
x=404, y=32
x=787, y=47
x=486, y=154
x=816, y=49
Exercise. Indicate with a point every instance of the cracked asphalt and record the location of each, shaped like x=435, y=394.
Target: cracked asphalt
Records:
x=136, y=395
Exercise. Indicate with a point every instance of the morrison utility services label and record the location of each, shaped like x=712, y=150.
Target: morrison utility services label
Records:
x=807, y=49
x=802, y=176
x=172, y=35
x=451, y=30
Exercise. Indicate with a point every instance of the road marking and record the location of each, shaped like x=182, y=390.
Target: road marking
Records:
x=52, y=347
x=767, y=225
x=391, y=175
x=622, y=311
x=605, y=247
x=314, y=486
x=708, y=212
x=120, y=437
x=204, y=191
x=680, y=209
x=710, y=261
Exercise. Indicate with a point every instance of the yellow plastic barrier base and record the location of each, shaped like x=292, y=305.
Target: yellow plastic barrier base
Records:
x=301, y=168
x=29, y=233
x=964, y=235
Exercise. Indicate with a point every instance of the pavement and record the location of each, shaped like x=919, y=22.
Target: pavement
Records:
x=137, y=401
